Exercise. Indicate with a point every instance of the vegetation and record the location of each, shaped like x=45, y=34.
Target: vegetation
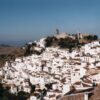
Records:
x=91, y=37
x=28, y=50
x=66, y=42
x=22, y=95
x=50, y=41
x=5, y=57
x=10, y=53
x=6, y=95
x=69, y=42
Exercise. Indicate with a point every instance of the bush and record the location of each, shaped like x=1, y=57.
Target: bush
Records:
x=91, y=38
x=5, y=94
x=67, y=43
x=22, y=95
x=50, y=41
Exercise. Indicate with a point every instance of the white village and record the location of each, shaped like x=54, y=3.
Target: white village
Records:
x=64, y=71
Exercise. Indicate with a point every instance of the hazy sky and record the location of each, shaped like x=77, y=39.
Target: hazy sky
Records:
x=33, y=19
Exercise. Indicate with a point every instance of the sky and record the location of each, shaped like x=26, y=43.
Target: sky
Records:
x=34, y=19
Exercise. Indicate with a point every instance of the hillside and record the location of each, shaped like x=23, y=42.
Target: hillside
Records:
x=61, y=40
x=50, y=72
x=9, y=53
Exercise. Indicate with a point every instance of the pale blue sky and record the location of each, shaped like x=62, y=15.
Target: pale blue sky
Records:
x=33, y=19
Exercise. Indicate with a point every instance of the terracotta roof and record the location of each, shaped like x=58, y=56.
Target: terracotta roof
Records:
x=38, y=90
x=51, y=96
x=85, y=85
x=57, y=91
x=35, y=94
x=87, y=81
x=77, y=69
x=77, y=83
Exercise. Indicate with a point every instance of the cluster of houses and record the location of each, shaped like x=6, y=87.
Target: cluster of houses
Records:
x=62, y=70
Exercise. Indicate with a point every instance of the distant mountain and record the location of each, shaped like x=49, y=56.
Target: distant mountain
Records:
x=4, y=45
x=13, y=43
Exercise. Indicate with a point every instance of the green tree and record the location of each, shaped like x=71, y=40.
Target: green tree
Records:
x=95, y=37
x=22, y=95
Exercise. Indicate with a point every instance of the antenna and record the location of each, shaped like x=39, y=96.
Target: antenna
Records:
x=57, y=31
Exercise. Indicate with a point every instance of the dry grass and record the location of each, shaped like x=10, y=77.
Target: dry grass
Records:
x=9, y=53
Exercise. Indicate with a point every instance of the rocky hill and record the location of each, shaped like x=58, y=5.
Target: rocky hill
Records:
x=61, y=40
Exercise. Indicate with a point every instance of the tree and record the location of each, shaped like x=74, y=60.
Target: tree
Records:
x=28, y=51
x=1, y=90
x=33, y=44
x=48, y=86
x=91, y=38
x=95, y=37
x=5, y=94
x=49, y=41
x=22, y=95
x=32, y=86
